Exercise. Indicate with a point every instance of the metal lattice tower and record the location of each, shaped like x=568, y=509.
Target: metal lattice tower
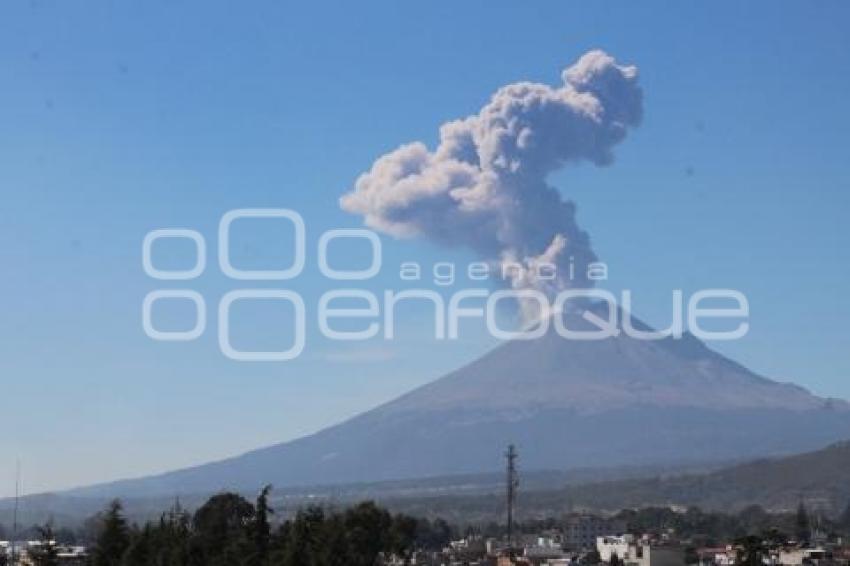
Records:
x=512, y=485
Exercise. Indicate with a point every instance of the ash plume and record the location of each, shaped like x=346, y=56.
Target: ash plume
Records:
x=484, y=186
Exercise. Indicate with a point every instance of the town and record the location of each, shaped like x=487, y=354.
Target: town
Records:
x=367, y=534
x=230, y=530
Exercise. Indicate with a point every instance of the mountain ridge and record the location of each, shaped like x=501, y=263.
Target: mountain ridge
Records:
x=566, y=403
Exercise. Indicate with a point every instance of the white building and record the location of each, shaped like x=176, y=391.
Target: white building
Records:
x=638, y=552
x=544, y=548
x=648, y=555
x=607, y=546
x=795, y=556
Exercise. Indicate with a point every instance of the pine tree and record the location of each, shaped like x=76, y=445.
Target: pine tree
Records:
x=261, y=529
x=113, y=538
x=367, y=526
x=140, y=552
x=802, y=524
x=305, y=537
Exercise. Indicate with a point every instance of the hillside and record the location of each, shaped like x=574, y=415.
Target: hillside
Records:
x=566, y=404
x=820, y=478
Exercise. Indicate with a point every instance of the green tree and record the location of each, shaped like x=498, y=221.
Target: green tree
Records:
x=140, y=552
x=45, y=554
x=751, y=551
x=221, y=531
x=261, y=529
x=844, y=518
x=335, y=541
x=367, y=526
x=173, y=538
x=802, y=525
x=402, y=536
x=303, y=538
x=113, y=537
x=754, y=519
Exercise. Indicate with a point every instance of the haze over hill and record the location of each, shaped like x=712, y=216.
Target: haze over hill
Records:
x=820, y=478
x=566, y=404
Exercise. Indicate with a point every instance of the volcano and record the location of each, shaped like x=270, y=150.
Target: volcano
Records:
x=565, y=404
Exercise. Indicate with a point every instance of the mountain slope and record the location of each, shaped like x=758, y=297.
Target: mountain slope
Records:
x=821, y=478
x=565, y=403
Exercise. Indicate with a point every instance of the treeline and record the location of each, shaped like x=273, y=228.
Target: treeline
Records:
x=229, y=530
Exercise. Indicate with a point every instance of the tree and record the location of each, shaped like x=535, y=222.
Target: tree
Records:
x=113, y=537
x=230, y=531
x=754, y=519
x=367, y=526
x=162, y=543
x=173, y=537
x=335, y=542
x=402, y=536
x=751, y=551
x=844, y=519
x=261, y=529
x=301, y=540
x=221, y=531
x=45, y=554
x=802, y=524
x=434, y=536
x=774, y=537
x=140, y=552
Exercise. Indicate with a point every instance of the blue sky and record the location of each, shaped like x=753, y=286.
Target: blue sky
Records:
x=116, y=119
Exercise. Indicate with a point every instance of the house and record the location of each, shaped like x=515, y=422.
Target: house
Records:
x=635, y=552
x=607, y=546
x=581, y=531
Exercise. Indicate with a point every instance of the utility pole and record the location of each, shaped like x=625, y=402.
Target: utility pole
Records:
x=15, y=513
x=512, y=484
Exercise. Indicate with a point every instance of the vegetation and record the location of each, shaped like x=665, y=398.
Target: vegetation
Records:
x=113, y=539
x=228, y=530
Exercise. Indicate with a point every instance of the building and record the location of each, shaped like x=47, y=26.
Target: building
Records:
x=795, y=556
x=716, y=556
x=65, y=555
x=608, y=546
x=71, y=555
x=645, y=554
x=581, y=531
x=543, y=550
x=635, y=552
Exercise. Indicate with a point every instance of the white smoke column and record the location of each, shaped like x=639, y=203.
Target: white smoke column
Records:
x=484, y=187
